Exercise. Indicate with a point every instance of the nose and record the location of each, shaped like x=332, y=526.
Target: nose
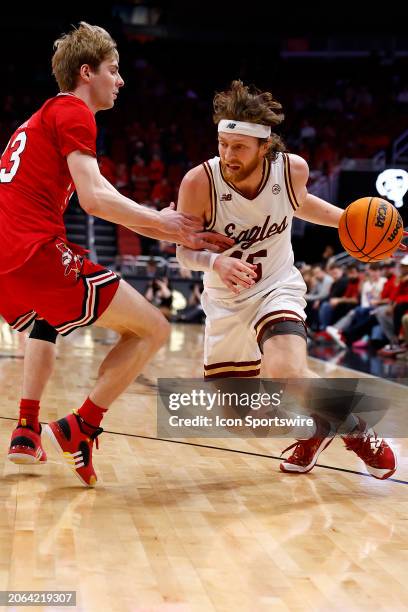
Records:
x=120, y=82
x=228, y=154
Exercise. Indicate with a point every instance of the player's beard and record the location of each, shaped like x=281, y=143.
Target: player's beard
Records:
x=244, y=171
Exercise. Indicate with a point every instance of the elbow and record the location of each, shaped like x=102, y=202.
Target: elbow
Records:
x=89, y=203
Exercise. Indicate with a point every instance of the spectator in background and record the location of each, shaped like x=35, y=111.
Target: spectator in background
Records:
x=404, y=322
x=372, y=287
x=344, y=295
x=138, y=171
x=158, y=293
x=107, y=168
x=371, y=291
x=139, y=176
x=320, y=286
x=327, y=255
x=364, y=327
x=306, y=271
x=307, y=132
x=156, y=168
x=395, y=312
x=325, y=158
x=162, y=192
x=122, y=182
x=194, y=312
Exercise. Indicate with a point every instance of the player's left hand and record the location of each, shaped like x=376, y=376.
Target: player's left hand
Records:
x=402, y=246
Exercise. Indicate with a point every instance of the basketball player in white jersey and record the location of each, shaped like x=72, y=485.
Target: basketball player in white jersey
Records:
x=253, y=295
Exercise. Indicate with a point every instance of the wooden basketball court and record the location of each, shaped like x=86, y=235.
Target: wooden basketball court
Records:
x=194, y=524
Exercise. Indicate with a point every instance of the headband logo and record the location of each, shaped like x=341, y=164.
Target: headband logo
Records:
x=231, y=126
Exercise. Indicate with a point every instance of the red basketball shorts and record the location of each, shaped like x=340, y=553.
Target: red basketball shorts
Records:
x=59, y=285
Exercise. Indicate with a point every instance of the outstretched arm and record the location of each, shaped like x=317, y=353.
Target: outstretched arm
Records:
x=198, y=240
x=312, y=208
x=99, y=198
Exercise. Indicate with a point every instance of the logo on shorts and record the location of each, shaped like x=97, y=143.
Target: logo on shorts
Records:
x=276, y=189
x=71, y=262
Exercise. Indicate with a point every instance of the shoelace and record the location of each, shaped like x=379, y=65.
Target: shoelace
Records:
x=95, y=433
x=296, y=452
x=94, y=436
x=358, y=443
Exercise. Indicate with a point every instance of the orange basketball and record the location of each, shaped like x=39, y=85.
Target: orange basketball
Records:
x=370, y=229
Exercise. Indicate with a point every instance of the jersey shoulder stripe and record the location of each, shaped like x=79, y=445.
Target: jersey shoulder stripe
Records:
x=213, y=194
x=288, y=182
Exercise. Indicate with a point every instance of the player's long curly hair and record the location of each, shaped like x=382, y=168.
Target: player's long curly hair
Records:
x=86, y=44
x=244, y=103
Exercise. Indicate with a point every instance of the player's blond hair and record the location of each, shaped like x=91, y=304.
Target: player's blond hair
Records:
x=244, y=103
x=87, y=44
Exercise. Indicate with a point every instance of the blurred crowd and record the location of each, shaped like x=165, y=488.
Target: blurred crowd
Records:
x=162, y=124
x=359, y=306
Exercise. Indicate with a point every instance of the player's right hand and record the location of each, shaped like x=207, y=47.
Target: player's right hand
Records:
x=178, y=225
x=211, y=241
x=234, y=273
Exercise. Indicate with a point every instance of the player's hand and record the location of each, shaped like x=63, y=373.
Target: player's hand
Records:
x=402, y=246
x=200, y=240
x=211, y=241
x=234, y=273
x=178, y=226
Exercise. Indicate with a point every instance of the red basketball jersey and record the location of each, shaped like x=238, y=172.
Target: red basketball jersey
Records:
x=35, y=183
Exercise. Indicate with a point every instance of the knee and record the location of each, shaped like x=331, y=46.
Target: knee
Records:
x=280, y=369
x=161, y=331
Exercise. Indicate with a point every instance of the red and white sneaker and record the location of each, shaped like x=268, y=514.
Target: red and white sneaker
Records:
x=336, y=335
x=68, y=437
x=378, y=456
x=26, y=447
x=304, y=457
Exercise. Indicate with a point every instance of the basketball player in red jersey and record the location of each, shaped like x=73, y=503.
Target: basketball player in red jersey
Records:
x=46, y=280
x=253, y=295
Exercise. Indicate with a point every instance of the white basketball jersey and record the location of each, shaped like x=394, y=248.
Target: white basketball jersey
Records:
x=261, y=227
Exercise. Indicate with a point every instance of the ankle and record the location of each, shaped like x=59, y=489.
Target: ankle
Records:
x=91, y=414
x=29, y=413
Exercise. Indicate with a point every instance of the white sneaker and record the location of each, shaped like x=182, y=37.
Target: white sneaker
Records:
x=335, y=335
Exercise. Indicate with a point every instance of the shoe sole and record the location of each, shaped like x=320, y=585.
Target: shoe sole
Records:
x=24, y=459
x=292, y=468
x=48, y=431
x=380, y=474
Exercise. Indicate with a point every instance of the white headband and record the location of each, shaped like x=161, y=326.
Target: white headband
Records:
x=243, y=127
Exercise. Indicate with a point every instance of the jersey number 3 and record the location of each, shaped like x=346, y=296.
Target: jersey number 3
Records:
x=10, y=160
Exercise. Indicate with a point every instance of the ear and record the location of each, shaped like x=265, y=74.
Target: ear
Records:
x=85, y=72
x=266, y=146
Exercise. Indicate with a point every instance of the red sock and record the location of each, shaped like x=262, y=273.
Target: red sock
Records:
x=29, y=411
x=91, y=413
